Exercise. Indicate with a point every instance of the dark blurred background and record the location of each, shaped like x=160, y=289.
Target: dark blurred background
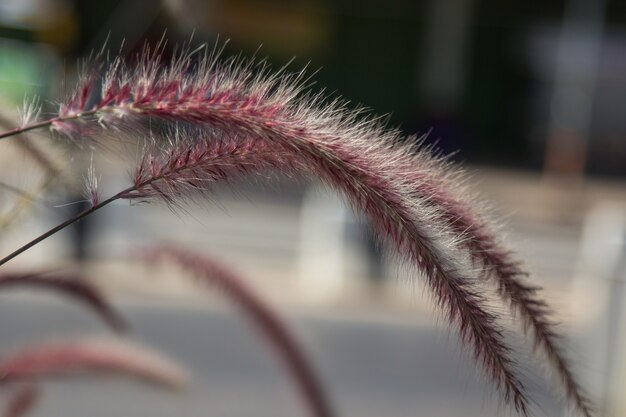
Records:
x=530, y=85
x=529, y=95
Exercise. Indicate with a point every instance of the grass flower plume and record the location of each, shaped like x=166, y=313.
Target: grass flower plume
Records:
x=211, y=273
x=233, y=118
x=21, y=401
x=76, y=287
x=86, y=357
x=368, y=186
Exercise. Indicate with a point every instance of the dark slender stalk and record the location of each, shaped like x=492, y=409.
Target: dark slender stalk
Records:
x=26, y=128
x=66, y=223
x=44, y=123
x=122, y=194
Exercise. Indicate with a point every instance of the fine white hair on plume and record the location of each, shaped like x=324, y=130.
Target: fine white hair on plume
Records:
x=30, y=111
x=91, y=184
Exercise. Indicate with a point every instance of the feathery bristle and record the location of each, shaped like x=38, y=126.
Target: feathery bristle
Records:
x=91, y=185
x=30, y=111
x=499, y=265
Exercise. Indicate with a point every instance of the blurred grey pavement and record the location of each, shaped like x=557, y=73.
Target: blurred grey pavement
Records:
x=381, y=349
x=392, y=366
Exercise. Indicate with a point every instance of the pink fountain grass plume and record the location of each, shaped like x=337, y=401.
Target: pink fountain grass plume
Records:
x=213, y=274
x=366, y=176
x=190, y=165
x=524, y=298
x=89, y=357
x=22, y=400
x=443, y=187
x=75, y=287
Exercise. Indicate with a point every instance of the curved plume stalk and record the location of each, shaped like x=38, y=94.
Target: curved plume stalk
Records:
x=91, y=357
x=22, y=400
x=269, y=324
x=365, y=175
x=72, y=286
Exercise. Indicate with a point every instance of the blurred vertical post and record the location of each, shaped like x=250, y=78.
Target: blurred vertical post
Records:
x=574, y=88
x=599, y=302
x=447, y=38
x=321, y=262
x=616, y=343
